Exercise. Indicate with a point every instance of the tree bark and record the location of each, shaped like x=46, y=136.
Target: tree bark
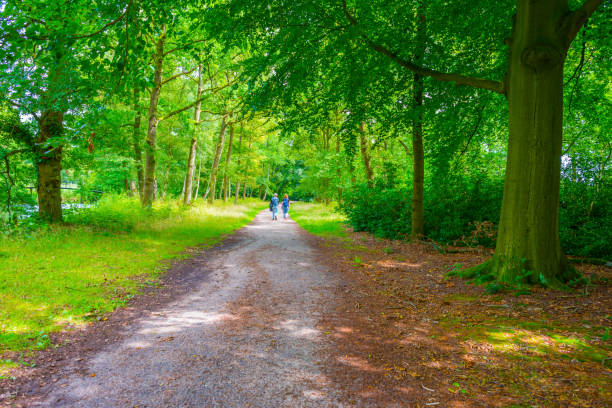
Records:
x=49, y=166
x=194, y=142
x=365, y=155
x=212, y=182
x=228, y=158
x=136, y=143
x=149, y=176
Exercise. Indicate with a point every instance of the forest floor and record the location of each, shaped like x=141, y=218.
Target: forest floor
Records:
x=445, y=342
x=278, y=317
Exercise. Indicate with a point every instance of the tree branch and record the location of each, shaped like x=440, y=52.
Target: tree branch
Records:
x=580, y=65
x=172, y=78
x=579, y=17
x=194, y=103
x=115, y=21
x=458, y=79
x=406, y=148
x=183, y=46
x=473, y=132
x=16, y=151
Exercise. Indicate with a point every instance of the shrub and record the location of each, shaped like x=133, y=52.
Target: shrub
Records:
x=465, y=210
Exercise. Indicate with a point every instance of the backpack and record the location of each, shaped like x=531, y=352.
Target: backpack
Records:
x=270, y=205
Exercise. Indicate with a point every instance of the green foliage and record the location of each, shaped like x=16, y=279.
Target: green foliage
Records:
x=585, y=219
x=465, y=211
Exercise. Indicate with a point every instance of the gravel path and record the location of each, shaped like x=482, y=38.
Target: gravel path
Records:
x=245, y=336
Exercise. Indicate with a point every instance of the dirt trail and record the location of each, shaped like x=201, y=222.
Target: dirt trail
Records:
x=244, y=336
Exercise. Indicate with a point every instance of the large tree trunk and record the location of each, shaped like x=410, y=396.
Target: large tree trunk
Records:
x=528, y=237
x=365, y=155
x=149, y=177
x=228, y=158
x=136, y=142
x=194, y=143
x=212, y=182
x=49, y=166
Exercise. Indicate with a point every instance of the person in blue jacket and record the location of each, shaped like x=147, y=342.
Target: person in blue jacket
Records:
x=274, y=206
x=285, y=206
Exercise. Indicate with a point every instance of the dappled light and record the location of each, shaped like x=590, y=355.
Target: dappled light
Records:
x=295, y=328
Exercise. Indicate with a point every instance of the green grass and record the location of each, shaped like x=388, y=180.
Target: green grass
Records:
x=319, y=219
x=66, y=275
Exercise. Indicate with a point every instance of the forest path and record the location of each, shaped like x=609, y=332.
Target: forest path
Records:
x=244, y=336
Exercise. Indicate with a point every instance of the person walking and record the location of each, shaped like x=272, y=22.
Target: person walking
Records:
x=274, y=206
x=285, y=206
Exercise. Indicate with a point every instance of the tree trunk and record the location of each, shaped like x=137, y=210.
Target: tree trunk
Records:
x=166, y=178
x=195, y=195
x=418, y=158
x=212, y=182
x=365, y=155
x=194, y=143
x=339, y=169
x=136, y=143
x=239, y=153
x=149, y=176
x=49, y=166
x=418, y=164
x=228, y=158
x=528, y=237
x=182, y=196
x=267, y=183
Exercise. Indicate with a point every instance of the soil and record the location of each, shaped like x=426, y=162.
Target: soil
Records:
x=275, y=317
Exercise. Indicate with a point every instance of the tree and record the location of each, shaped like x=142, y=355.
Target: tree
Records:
x=47, y=74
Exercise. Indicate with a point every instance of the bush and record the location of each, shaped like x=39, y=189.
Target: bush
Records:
x=465, y=211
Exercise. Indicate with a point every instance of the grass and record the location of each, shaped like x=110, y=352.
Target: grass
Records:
x=319, y=219
x=67, y=275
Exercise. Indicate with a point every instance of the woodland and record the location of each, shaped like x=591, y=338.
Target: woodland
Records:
x=450, y=124
x=468, y=123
